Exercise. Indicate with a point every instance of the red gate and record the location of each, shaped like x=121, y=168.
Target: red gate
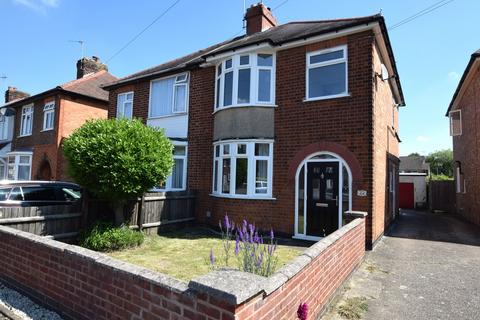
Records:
x=407, y=195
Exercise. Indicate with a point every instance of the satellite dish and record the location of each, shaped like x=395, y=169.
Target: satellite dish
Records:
x=385, y=75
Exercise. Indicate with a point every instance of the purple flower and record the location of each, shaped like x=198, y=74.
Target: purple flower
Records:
x=302, y=311
x=226, y=222
x=212, y=257
x=260, y=260
x=251, y=228
x=237, y=246
x=271, y=234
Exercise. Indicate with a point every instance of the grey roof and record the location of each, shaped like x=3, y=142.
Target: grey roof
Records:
x=473, y=58
x=413, y=164
x=276, y=36
x=88, y=86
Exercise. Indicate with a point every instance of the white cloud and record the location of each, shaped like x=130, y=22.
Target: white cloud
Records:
x=39, y=6
x=454, y=76
x=423, y=139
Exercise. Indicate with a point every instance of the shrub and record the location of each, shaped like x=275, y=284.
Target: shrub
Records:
x=117, y=160
x=106, y=237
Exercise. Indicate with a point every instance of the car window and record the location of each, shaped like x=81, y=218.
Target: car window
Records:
x=39, y=194
x=71, y=194
x=4, y=193
x=16, y=194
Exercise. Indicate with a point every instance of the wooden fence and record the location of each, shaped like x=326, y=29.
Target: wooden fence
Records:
x=55, y=221
x=441, y=196
x=150, y=212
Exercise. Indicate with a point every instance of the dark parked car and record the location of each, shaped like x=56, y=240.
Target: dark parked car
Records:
x=38, y=193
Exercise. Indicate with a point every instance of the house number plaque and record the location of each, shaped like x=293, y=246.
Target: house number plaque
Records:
x=362, y=193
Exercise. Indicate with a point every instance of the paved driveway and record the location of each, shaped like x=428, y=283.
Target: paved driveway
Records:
x=428, y=267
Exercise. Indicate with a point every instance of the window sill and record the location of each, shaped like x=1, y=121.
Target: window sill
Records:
x=46, y=130
x=23, y=136
x=343, y=95
x=241, y=197
x=168, y=116
x=246, y=106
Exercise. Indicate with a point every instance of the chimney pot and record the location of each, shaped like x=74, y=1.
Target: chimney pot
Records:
x=259, y=18
x=13, y=93
x=86, y=66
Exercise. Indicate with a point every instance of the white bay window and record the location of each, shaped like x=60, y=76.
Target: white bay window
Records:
x=245, y=80
x=243, y=169
x=168, y=96
x=19, y=165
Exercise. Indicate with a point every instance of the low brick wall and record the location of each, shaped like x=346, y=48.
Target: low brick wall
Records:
x=82, y=284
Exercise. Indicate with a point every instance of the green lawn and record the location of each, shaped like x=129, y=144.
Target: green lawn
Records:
x=184, y=254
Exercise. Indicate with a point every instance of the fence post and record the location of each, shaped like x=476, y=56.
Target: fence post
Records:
x=141, y=210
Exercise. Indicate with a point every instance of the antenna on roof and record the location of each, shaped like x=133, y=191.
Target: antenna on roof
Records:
x=82, y=46
x=381, y=12
x=244, y=11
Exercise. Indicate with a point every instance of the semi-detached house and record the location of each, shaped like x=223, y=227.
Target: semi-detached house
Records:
x=290, y=125
x=32, y=128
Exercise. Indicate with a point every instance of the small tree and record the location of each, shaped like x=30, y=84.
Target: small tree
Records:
x=117, y=160
x=441, y=162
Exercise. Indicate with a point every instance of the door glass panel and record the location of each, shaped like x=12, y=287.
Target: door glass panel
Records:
x=329, y=189
x=301, y=196
x=345, y=190
x=329, y=170
x=315, y=189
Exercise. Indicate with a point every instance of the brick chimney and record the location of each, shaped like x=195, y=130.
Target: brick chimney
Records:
x=259, y=18
x=87, y=66
x=13, y=94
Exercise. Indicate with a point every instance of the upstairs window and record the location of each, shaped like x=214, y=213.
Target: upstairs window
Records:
x=4, y=126
x=245, y=79
x=455, y=123
x=327, y=73
x=26, y=121
x=169, y=96
x=125, y=105
x=48, y=116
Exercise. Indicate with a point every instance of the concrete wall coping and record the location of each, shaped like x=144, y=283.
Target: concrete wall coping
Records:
x=230, y=285
x=356, y=214
x=236, y=287
x=102, y=259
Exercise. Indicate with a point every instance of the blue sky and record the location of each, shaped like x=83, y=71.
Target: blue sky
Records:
x=431, y=52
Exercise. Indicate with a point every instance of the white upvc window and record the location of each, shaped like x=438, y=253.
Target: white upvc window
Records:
x=49, y=116
x=26, y=121
x=177, y=181
x=4, y=127
x=19, y=166
x=169, y=96
x=327, y=74
x=455, y=122
x=243, y=169
x=245, y=80
x=125, y=105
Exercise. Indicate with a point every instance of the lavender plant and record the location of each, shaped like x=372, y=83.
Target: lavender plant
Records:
x=253, y=255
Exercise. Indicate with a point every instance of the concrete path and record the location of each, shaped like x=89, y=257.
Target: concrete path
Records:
x=428, y=267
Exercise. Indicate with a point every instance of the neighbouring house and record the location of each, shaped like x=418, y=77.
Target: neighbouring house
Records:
x=464, y=112
x=414, y=171
x=290, y=125
x=33, y=127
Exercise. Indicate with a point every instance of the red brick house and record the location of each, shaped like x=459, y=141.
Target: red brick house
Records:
x=463, y=112
x=289, y=125
x=36, y=125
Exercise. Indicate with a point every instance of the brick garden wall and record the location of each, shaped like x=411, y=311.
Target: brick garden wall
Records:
x=82, y=284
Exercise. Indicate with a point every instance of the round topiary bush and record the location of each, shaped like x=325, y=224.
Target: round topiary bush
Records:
x=117, y=160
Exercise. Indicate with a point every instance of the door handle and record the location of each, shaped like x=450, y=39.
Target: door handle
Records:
x=323, y=205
